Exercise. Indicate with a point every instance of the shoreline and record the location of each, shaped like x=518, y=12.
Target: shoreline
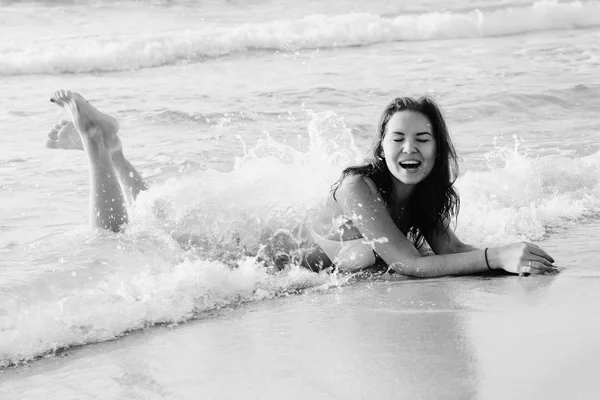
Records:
x=465, y=337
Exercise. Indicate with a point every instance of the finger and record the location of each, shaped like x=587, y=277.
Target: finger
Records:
x=539, y=252
x=524, y=270
x=539, y=259
x=540, y=268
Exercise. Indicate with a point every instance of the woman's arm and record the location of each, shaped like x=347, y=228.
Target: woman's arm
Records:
x=446, y=242
x=498, y=258
x=370, y=215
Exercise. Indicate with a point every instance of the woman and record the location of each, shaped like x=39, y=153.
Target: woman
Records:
x=403, y=191
x=403, y=196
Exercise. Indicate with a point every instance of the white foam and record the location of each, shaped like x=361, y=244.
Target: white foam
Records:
x=525, y=198
x=128, y=52
x=133, y=297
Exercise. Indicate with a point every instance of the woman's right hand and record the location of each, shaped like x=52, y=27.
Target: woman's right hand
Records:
x=522, y=258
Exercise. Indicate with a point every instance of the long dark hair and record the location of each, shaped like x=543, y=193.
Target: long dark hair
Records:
x=434, y=200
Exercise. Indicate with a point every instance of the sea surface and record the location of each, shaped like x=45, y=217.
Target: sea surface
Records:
x=241, y=115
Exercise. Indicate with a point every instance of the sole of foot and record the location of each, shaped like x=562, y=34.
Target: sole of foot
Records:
x=64, y=136
x=94, y=126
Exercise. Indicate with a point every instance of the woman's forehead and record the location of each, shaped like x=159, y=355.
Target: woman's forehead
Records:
x=408, y=120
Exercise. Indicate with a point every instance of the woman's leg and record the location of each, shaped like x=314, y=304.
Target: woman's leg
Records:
x=99, y=139
x=64, y=136
x=131, y=180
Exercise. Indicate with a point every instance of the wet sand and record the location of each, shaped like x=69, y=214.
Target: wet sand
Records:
x=452, y=338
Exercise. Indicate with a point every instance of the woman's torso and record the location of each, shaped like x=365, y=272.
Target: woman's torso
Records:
x=330, y=222
x=341, y=240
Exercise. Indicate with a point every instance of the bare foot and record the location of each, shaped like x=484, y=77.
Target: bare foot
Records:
x=94, y=126
x=64, y=136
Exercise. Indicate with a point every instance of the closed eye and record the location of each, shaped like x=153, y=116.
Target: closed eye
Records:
x=418, y=140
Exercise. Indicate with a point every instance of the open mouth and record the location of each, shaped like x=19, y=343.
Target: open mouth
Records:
x=410, y=165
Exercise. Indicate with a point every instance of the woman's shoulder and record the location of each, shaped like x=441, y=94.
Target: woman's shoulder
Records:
x=354, y=182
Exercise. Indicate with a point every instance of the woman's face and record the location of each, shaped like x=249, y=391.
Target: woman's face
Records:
x=409, y=147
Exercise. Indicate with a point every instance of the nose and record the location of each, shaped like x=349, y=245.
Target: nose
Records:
x=409, y=147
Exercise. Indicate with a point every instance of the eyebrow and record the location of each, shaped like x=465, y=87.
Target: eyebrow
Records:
x=417, y=134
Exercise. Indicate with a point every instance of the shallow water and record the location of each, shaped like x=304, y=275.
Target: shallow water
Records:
x=241, y=116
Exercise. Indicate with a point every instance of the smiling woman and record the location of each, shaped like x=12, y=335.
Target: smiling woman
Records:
x=403, y=196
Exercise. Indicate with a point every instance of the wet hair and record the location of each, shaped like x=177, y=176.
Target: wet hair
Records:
x=434, y=200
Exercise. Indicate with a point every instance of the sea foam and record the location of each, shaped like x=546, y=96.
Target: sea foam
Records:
x=77, y=54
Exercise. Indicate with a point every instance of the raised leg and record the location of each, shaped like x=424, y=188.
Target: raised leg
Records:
x=131, y=180
x=98, y=134
x=64, y=135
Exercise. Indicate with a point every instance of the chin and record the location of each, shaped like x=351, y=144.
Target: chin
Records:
x=410, y=179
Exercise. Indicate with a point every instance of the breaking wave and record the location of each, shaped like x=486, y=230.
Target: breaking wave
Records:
x=125, y=52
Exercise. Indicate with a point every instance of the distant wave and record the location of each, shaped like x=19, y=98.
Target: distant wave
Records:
x=122, y=53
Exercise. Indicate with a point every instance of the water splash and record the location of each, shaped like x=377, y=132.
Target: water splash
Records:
x=524, y=198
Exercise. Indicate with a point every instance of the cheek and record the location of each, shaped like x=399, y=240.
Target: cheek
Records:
x=388, y=151
x=430, y=153
x=385, y=146
x=389, y=162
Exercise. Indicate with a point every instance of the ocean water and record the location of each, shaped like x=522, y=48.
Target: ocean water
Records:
x=242, y=114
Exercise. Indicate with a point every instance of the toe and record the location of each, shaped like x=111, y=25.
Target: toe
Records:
x=51, y=144
x=64, y=122
x=53, y=134
x=56, y=99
